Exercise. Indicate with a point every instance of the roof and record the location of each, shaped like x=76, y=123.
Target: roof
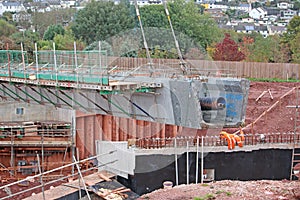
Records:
x=261, y=10
x=277, y=28
x=245, y=5
x=11, y=3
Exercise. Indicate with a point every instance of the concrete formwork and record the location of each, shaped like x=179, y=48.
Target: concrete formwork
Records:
x=92, y=127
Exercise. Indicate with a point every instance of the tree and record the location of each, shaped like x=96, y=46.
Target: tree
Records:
x=27, y=38
x=102, y=19
x=42, y=21
x=265, y=49
x=295, y=49
x=290, y=39
x=245, y=45
x=228, y=50
x=293, y=28
x=66, y=42
x=53, y=30
x=6, y=29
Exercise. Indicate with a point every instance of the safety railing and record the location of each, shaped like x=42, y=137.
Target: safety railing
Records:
x=250, y=139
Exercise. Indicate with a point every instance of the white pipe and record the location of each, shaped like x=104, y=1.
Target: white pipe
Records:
x=187, y=163
x=83, y=182
x=202, y=160
x=197, y=159
x=176, y=162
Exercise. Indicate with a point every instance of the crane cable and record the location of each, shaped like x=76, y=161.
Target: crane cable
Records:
x=182, y=63
x=150, y=63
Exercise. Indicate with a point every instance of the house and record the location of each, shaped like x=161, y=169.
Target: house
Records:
x=287, y=15
x=21, y=17
x=146, y=2
x=258, y=13
x=276, y=30
x=54, y=4
x=68, y=4
x=249, y=28
x=248, y=20
x=285, y=5
x=11, y=6
x=263, y=30
x=244, y=7
x=218, y=5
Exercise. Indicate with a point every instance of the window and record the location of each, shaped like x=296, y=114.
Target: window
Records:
x=20, y=111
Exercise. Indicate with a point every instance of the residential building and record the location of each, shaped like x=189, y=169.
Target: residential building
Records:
x=11, y=6
x=285, y=5
x=287, y=15
x=276, y=30
x=258, y=13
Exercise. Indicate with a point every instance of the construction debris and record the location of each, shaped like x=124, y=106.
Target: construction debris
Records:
x=116, y=194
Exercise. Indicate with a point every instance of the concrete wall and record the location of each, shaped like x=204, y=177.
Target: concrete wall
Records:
x=34, y=112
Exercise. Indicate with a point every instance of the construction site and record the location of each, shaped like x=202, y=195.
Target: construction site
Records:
x=88, y=125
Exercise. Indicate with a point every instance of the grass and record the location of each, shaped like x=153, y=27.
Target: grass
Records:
x=277, y=80
x=206, y=197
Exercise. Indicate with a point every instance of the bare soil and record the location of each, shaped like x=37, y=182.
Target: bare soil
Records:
x=229, y=190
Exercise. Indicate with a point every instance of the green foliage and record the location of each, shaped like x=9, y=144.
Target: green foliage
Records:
x=105, y=46
x=293, y=28
x=154, y=16
x=27, y=38
x=222, y=191
x=102, y=19
x=7, y=16
x=52, y=31
x=273, y=80
x=62, y=42
x=41, y=21
x=265, y=49
x=6, y=29
x=206, y=197
x=295, y=48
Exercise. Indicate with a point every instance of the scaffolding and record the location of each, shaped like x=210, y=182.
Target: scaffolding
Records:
x=72, y=66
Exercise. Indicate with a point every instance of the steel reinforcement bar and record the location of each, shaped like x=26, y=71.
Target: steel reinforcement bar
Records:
x=250, y=139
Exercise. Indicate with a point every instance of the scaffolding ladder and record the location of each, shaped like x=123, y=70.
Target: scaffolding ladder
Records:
x=295, y=164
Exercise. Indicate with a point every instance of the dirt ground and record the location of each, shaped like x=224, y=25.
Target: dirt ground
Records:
x=229, y=190
x=278, y=119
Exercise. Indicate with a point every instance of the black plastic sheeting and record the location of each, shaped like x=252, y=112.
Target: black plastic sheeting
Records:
x=270, y=164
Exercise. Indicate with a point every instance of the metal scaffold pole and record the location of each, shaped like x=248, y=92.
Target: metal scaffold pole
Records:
x=197, y=159
x=144, y=38
x=36, y=61
x=182, y=63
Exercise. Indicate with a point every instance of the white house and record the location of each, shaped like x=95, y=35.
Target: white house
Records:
x=284, y=5
x=258, y=13
x=11, y=6
x=68, y=4
x=288, y=14
x=218, y=6
x=244, y=7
